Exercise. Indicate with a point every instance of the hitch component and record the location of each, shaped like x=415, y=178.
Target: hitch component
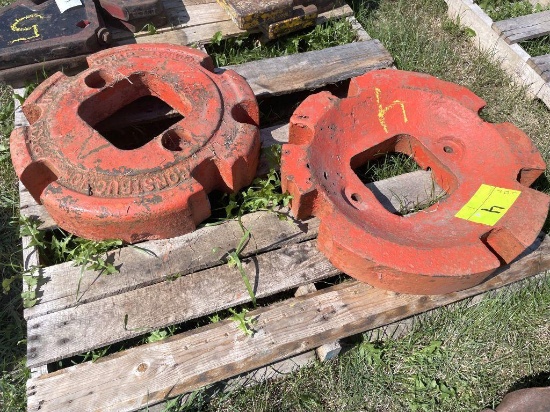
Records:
x=101, y=186
x=135, y=14
x=488, y=218
x=276, y=17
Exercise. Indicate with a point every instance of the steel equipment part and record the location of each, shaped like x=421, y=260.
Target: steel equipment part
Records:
x=135, y=14
x=98, y=187
x=488, y=218
x=276, y=17
x=34, y=32
x=127, y=10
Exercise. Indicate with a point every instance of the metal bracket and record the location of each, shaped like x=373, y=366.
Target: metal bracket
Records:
x=276, y=17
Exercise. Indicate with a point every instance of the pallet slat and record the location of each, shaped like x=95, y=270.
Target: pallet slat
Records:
x=66, y=332
x=314, y=69
x=542, y=66
x=151, y=373
x=143, y=292
x=523, y=28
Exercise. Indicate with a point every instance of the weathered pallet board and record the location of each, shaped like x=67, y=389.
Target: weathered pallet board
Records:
x=140, y=298
x=151, y=373
x=524, y=27
x=500, y=40
x=541, y=64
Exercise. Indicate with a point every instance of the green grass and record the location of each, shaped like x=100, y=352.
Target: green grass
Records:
x=386, y=166
x=504, y=9
x=460, y=358
x=249, y=48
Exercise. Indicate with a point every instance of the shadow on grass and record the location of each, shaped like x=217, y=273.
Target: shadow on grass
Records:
x=542, y=184
x=12, y=325
x=537, y=380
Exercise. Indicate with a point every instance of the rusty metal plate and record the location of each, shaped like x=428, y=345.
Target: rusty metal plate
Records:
x=100, y=188
x=488, y=218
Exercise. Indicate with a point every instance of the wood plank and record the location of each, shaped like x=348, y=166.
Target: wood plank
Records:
x=156, y=261
x=103, y=322
x=512, y=57
x=60, y=326
x=151, y=373
x=326, y=351
x=314, y=69
x=254, y=377
x=29, y=253
x=524, y=27
x=181, y=16
x=541, y=64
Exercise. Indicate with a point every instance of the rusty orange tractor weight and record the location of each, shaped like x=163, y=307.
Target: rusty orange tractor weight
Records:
x=489, y=217
x=96, y=190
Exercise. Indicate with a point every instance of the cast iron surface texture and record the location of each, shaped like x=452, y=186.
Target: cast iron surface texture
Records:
x=96, y=190
x=432, y=251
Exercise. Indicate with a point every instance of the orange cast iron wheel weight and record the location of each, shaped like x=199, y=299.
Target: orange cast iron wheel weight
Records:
x=488, y=218
x=98, y=189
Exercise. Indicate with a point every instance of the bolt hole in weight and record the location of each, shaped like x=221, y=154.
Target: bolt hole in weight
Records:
x=355, y=197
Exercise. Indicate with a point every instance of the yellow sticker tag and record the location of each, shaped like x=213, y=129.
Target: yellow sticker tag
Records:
x=488, y=205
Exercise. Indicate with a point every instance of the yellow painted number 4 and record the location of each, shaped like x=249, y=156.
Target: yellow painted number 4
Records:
x=488, y=205
x=15, y=27
x=383, y=110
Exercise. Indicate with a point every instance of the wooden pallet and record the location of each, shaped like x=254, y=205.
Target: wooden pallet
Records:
x=501, y=40
x=172, y=281
x=154, y=286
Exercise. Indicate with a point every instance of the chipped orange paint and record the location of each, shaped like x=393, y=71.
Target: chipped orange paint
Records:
x=97, y=190
x=432, y=251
